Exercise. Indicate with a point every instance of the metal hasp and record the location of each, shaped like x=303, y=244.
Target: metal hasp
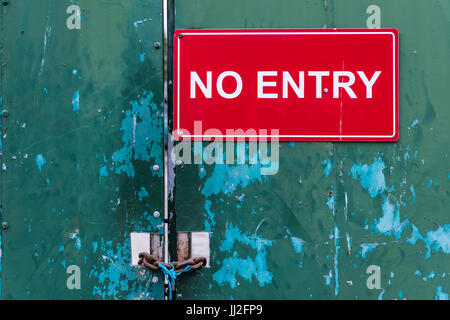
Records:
x=193, y=253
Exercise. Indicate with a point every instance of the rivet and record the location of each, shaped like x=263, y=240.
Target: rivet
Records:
x=155, y=168
x=5, y=225
x=180, y=35
x=179, y=163
x=5, y=113
x=155, y=280
x=156, y=214
x=157, y=45
x=325, y=90
x=180, y=133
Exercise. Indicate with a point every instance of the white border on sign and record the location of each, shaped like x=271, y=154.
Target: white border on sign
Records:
x=283, y=136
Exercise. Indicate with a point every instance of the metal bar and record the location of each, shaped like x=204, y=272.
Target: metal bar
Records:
x=165, y=139
x=170, y=232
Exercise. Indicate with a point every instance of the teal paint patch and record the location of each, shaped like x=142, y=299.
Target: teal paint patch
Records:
x=116, y=279
x=76, y=101
x=411, y=189
x=225, y=178
x=437, y=240
x=390, y=224
x=244, y=267
x=336, y=261
x=331, y=203
x=102, y=173
x=297, y=243
x=440, y=294
x=94, y=246
x=210, y=215
x=146, y=223
x=75, y=235
x=142, y=57
x=142, y=136
x=327, y=169
x=40, y=161
x=380, y=296
x=371, y=176
x=368, y=247
x=142, y=193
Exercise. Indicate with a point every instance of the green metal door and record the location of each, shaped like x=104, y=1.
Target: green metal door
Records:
x=312, y=230
x=82, y=162
x=83, y=133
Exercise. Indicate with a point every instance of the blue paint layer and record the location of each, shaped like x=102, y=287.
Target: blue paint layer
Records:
x=142, y=193
x=440, y=294
x=116, y=279
x=225, y=178
x=327, y=169
x=210, y=215
x=40, y=161
x=103, y=173
x=390, y=224
x=437, y=240
x=247, y=267
x=371, y=176
x=142, y=136
x=413, y=193
x=76, y=101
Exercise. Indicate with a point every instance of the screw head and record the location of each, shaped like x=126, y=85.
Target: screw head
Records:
x=180, y=35
x=179, y=163
x=5, y=113
x=5, y=225
x=325, y=90
x=155, y=168
x=157, y=45
x=155, y=280
x=156, y=214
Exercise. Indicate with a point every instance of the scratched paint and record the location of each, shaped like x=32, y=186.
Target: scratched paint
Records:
x=76, y=101
x=117, y=279
x=371, y=176
x=40, y=161
x=247, y=267
x=141, y=137
x=435, y=240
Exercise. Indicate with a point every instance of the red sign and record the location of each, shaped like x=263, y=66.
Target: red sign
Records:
x=286, y=84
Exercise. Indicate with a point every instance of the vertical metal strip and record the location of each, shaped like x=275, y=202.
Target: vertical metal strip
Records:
x=170, y=235
x=2, y=64
x=165, y=129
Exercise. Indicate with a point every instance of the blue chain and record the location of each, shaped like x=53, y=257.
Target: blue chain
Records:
x=171, y=275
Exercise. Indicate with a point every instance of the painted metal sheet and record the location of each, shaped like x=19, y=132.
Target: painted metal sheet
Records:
x=334, y=214
x=78, y=147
